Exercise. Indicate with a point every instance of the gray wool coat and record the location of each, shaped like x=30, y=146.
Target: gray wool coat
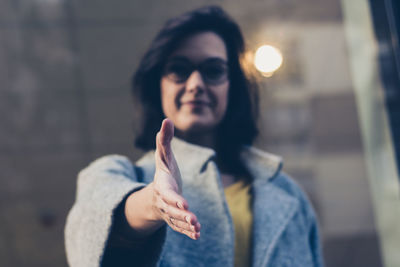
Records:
x=285, y=231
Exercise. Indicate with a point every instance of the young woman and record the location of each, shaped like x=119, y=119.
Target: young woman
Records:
x=201, y=196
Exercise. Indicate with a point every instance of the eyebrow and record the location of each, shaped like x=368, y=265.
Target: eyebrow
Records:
x=209, y=59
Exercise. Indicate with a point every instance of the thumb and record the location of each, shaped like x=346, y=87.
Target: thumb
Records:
x=163, y=141
x=166, y=132
x=165, y=160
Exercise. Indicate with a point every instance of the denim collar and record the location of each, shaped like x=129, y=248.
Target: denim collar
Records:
x=193, y=158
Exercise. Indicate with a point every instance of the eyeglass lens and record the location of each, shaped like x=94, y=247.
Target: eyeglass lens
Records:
x=213, y=71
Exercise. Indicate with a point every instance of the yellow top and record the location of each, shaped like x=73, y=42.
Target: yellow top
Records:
x=238, y=196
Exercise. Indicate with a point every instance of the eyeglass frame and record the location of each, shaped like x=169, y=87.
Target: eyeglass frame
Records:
x=199, y=67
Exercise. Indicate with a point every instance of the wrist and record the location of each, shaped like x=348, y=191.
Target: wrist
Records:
x=139, y=211
x=152, y=214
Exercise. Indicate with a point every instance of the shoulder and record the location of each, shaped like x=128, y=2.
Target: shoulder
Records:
x=119, y=165
x=287, y=184
x=111, y=160
x=119, y=162
x=104, y=169
x=269, y=167
x=111, y=163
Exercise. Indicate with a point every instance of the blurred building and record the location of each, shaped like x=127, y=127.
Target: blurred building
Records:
x=65, y=70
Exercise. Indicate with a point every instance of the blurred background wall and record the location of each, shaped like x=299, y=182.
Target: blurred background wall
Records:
x=65, y=70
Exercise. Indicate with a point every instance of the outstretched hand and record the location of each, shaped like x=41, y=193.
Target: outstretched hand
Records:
x=168, y=202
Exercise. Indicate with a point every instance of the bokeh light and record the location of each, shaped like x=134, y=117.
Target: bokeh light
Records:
x=267, y=60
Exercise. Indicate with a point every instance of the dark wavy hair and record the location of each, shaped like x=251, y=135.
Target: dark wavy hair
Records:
x=238, y=127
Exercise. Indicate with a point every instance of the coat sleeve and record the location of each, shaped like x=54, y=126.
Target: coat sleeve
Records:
x=91, y=229
x=314, y=238
x=312, y=228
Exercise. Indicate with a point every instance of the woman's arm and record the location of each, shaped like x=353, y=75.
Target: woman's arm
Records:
x=101, y=188
x=136, y=236
x=107, y=219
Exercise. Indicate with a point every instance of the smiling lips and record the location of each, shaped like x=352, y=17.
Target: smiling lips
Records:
x=196, y=103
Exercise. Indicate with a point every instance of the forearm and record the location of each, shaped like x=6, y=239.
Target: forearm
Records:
x=127, y=246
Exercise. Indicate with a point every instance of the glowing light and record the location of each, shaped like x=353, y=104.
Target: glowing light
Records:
x=267, y=59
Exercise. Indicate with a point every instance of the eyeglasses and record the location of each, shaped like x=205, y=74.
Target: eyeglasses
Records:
x=214, y=71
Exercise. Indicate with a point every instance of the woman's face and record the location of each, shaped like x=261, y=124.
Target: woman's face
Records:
x=195, y=84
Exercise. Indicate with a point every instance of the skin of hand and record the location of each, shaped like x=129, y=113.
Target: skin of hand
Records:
x=168, y=202
x=163, y=197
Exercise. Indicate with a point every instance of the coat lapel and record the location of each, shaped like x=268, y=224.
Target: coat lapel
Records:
x=273, y=208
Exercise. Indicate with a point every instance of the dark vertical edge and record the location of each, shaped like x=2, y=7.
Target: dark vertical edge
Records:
x=386, y=22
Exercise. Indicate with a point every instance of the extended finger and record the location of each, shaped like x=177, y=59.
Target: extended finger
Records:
x=185, y=225
x=193, y=235
x=167, y=132
x=174, y=199
x=175, y=213
x=163, y=141
x=184, y=216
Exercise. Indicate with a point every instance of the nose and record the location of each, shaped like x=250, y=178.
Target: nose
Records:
x=195, y=82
